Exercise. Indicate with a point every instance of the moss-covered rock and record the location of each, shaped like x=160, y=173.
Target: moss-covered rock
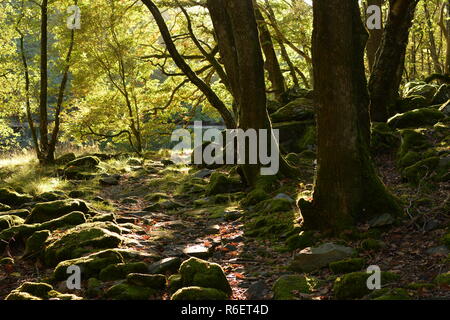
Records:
x=411, y=103
x=125, y=291
x=8, y=221
x=155, y=281
x=220, y=183
x=71, y=219
x=38, y=291
x=85, y=162
x=4, y=207
x=21, y=213
x=354, y=285
x=347, y=265
x=300, y=241
x=383, y=138
x=65, y=158
x=416, y=118
x=50, y=196
x=111, y=217
x=254, y=197
x=372, y=244
x=443, y=279
x=170, y=264
x=174, y=283
x=94, y=288
x=197, y=272
x=420, y=169
x=121, y=270
x=287, y=287
x=297, y=110
x=413, y=140
x=390, y=294
x=12, y=198
x=90, y=265
x=421, y=89
x=199, y=293
x=46, y=211
x=36, y=242
x=79, y=241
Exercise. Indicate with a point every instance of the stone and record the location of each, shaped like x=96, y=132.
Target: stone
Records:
x=287, y=287
x=199, y=293
x=125, y=291
x=417, y=118
x=94, y=288
x=71, y=219
x=4, y=207
x=439, y=250
x=155, y=281
x=110, y=180
x=300, y=241
x=90, y=265
x=50, y=196
x=442, y=95
x=198, y=251
x=45, y=211
x=121, y=270
x=36, y=242
x=65, y=158
x=354, y=285
x=347, y=265
x=220, y=184
x=314, y=258
x=297, y=110
x=12, y=198
x=284, y=196
x=204, y=173
x=257, y=291
x=381, y=220
x=86, y=162
x=80, y=240
x=7, y=221
x=163, y=266
x=232, y=215
x=21, y=213
x=201, y=273
x=445, y=108
x=39, y=291
x=372, y=244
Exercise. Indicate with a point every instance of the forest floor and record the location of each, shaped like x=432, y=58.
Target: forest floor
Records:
x=162, y=211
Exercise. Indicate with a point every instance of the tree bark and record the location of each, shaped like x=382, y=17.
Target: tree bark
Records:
x=388, y=68
x=375, y=37
x=44, y=156
x=347, y=188
x=433, y=49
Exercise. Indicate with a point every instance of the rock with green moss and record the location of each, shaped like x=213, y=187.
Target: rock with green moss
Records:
x=4, y=207
x=354, y=285
x=46, y=211
x=220, y=183
x=421, y=88
x=383, y=138
x=71, y=219
x=121, y=270
x=157, y=196
x=300, y=241
x=65, y=158
x=297, y=110
x=174, y=283
x=90, y=265
x=347, y=265
x=420, y=286
x=287, y=287
x=50, y=196
x=21, y=213
x=446, y=240
x=411, y=103
x=392, y=294
x=254, y=197
x=18, y=232
x=443, y=279
x=85, y=162
x=199, y=293
x=201, y=273
x=125, y=291
x=412, y=140
x=372, y=244
x=6, y=260
x=170, y=264
x=420, y=169
x=12, y=198
x=417, y=118
x=155, y=281
x=111, y=217
x=94, y=288
x=36, y=242
x=8, y=221
x=410, y=158
x=78, y=241
x=314, y=258
x=38, y=291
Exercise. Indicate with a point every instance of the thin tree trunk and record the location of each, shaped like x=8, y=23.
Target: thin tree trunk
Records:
x=45, y=157
x=375, y=37
x=388, y=69
x=347, y=188
x=433, y=50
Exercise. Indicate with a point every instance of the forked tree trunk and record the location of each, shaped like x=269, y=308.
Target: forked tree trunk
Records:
x=347, y=188
x=388, y=69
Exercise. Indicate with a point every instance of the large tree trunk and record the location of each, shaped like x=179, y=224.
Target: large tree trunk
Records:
x=375, y=37
x=271, y=64
x=242, y=56
x=388, y=69
x=347, y=188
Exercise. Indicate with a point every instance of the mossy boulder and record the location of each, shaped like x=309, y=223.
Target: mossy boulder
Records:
x=297, y=110
x=411, y=103
x=38, y=291
x=8, y=221
x=443, y=279
x=155, y=281
x=254, y=197
x=174, y=283
x=80, y=240
x=65, y=158
x=50, y=196
x=220, y=183
x=197, y=272
x=383, y=138
x=125, y=291
x=354, y=285
x=85, y=162
x=391, y=294
x=420, y=169
x=94, y=288
x=71, y=219
x=170, y=264
x=372, y=244
x=442, y=95
x=300, y=241
x=416, y=118
x=199, y=293
x=347, y=265
x=4, y=207
x=121, y=270
x=21, y=213
x=423, y=89
x=36, y=242
x=304, y=136
x=413, y=140
x=288, y=286
x=90, y=265
x=12, y=198
x=46, y=211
